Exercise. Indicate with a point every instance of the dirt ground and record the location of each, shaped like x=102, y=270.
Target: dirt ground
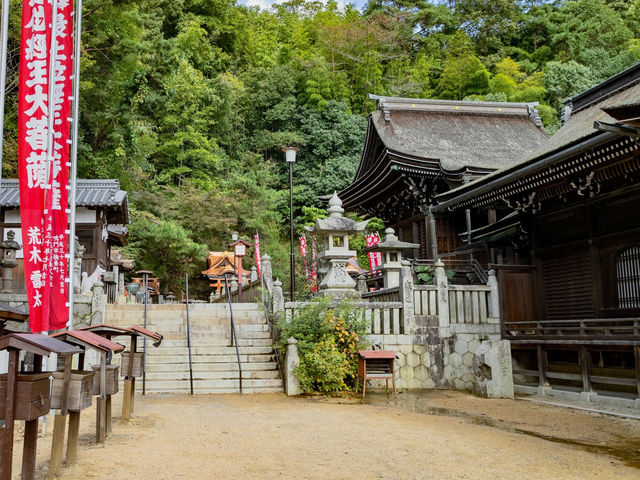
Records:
x=425, y=435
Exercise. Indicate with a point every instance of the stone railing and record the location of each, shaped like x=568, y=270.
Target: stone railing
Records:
x=458, y=304
x=382, y=318
x=467, y=303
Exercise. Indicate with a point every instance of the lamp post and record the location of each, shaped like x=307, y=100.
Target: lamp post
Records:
x=290, y=157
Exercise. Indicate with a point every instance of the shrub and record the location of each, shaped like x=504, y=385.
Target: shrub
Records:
x=329, y=336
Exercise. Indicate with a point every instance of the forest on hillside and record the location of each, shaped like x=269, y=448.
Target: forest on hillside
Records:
x=189, y=102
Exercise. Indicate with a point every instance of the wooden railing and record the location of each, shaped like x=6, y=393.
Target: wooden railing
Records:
x=618, y=331
x=467, y=303
x=384, y=295
x=382, y=318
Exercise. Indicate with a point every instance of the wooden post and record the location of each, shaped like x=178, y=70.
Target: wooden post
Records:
x=72, y=438
x=126, y=400
x=101, y=411
x=133, y=394
x=542, y=366
x=636, y=354
x=585, y=363
x=57, y=444
x=108, y=416
x=134, y=347
x=6, y=433
x=60, y=423
x=30, y=449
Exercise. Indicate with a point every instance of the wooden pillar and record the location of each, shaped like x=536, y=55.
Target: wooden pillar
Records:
x=542, y=367
x=108, y=416
x=30, y=447
x=60, y=423
x=636, y=354
x=126, y=400
x=100, y=420
x=585, y=363
x=101, y=411
x=72, y=438
x=6, y=433
x=57, y=444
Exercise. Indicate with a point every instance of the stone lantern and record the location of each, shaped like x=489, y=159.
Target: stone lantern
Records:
x=336, y=230
x=391, y=249
x=8, y=262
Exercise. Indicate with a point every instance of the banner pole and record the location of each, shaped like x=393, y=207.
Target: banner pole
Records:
x=74, y=157
x=51, y=104
x=3, y=73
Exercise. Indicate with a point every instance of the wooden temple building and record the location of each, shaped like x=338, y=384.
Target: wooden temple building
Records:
x=416, y=149
x=561, y=226
x=219, y=264
x=102, y=215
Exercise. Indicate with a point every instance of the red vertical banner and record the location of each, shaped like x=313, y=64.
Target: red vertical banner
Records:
x=58, y=199
x=44, y=184
x=375, y=258
x=314, y=265
x=305, y=261
x=256, y=245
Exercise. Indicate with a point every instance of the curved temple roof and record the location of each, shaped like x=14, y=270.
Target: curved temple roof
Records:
x=438, y=139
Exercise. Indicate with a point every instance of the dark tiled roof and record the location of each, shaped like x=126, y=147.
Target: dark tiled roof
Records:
x=458, y=133
x=621, y=91
x=90, y=193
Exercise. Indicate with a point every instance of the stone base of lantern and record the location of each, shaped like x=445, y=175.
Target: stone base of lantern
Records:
x=337, y=283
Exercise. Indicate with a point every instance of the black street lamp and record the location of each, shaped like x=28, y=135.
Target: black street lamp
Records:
x=290, y=157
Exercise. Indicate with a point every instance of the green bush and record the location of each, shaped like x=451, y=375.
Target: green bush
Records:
x=324, y=369
x=329, y=336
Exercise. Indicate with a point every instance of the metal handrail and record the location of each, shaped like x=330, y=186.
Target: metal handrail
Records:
x=233, y=331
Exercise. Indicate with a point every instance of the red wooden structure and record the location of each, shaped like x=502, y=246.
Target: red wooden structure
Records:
x=378, y=365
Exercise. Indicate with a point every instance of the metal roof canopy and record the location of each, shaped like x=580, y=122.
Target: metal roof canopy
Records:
x=133, y=331
x=86, y=339
x=37, y=344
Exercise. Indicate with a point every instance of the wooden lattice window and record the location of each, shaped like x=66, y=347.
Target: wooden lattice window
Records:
x=628, y=277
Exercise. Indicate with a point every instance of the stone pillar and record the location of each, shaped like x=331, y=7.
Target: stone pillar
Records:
x=132, y=290
x=254, y=274
x=406, y=297
x=234, y=284
x=494, y=297
x=98, y=304
x=496, y=354
x=292, y=360
x=267, y=273
x=442, y=284
x=362, y=284
x=278, y=297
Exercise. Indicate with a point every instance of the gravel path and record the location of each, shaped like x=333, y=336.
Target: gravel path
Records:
x=434, y=435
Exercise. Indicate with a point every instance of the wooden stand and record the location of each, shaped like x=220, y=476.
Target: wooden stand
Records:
x=72, y=439
x=6, y=433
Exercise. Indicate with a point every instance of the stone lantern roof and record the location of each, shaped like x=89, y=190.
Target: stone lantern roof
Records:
x=336, y=222
x=391, y=242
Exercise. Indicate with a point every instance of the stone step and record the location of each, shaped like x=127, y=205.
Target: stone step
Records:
x=215, y=375
x=207, y=350
x=211, y=367
x=216, y=391
x=244, y=358
x=193, y=307
x=203, y=348
x=173, y=385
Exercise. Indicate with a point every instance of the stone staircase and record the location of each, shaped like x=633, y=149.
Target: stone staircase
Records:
x=215, y=367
